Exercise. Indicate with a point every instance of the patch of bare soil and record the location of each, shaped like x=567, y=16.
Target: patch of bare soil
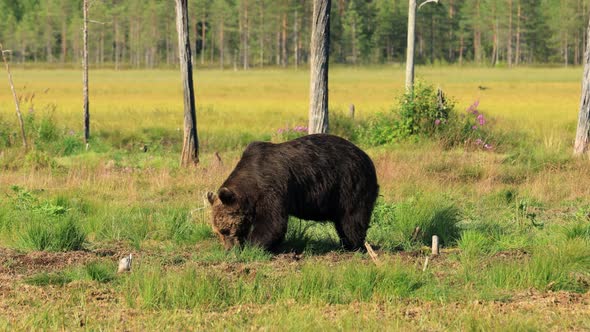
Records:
x=16, y=264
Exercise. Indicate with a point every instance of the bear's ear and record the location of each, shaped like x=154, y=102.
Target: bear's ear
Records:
x=211, y=197
x=226, y=196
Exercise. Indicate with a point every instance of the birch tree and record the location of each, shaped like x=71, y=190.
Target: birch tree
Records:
x=583, y=131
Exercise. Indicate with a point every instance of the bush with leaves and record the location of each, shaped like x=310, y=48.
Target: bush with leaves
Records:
x=428, y=113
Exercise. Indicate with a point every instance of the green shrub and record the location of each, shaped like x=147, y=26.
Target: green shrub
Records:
x=421, y=113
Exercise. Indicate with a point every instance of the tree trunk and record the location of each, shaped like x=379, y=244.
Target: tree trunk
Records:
x=284, y=62
x=477, y=51
x=16, y=100
x=583, y=131
x=190, y=145
x=410, y=46
x=64, y=43
x=261, y=37
x=116, y=42
x=509, y=45
x=278, y=48
x=517, y=54
x=203, y=27
x=85, y=76
x=495, y=42
x=354, y=47
x=221, y=46
x=461, y=46
x=246, y=36
x=320, y=50
x=565, y=50
x=296, y=41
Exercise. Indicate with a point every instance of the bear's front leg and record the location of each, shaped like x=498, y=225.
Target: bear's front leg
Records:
x=269, y=228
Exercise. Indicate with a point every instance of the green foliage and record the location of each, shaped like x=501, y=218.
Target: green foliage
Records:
x=26, y=200
x=421, y=113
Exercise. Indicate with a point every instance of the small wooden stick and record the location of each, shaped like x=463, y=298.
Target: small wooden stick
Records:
x=435, y=246
x=16, y=99
x=372, y=253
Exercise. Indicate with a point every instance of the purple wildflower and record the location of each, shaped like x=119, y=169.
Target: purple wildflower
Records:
x=478, y=141
x=481, y=120
x=280, y=131
x=487, y=146
x=436, y=122
x=474, y=127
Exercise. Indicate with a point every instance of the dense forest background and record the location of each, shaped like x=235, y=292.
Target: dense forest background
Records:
x=256, y=33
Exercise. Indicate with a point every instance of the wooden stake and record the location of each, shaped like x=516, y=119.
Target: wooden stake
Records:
x=435, y=246
x=18, y=113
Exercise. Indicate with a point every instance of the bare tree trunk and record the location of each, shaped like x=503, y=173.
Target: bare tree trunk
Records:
x=190, y=145
x=16, y=101
x=85, y=76
x=461, y=47
x=203, y=27
x=64, y=43
x=261, y=38
x=116, y=42
x=517, y=54
x=221, y=46
x=477, y=51
x=320, y=50
x=278, y=50
x=246, y=36
x=284, y=59
x=410, y=46
x=296, y=41
x=495, y=43
x=583, y=131
x=565, y=50
x=354, y=47
x=509, y=46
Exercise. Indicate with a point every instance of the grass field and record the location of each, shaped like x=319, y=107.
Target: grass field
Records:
x=513, y=220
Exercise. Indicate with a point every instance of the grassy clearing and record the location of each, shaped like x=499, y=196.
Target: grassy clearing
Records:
x=513, y=220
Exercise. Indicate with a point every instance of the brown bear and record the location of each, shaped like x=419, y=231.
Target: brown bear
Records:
x=316, y=177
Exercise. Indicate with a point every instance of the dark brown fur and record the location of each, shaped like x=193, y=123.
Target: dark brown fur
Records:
x=315, y=177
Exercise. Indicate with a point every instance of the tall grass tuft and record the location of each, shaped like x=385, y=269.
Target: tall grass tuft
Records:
x=100, y=271
x=395, y=226
x=61, y=234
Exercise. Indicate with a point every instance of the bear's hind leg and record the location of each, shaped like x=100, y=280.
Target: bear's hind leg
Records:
x=352, y=228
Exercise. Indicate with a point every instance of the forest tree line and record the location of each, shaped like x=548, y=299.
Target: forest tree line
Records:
x=257, y=33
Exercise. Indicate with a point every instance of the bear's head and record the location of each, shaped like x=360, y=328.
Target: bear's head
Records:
x=232, y=217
